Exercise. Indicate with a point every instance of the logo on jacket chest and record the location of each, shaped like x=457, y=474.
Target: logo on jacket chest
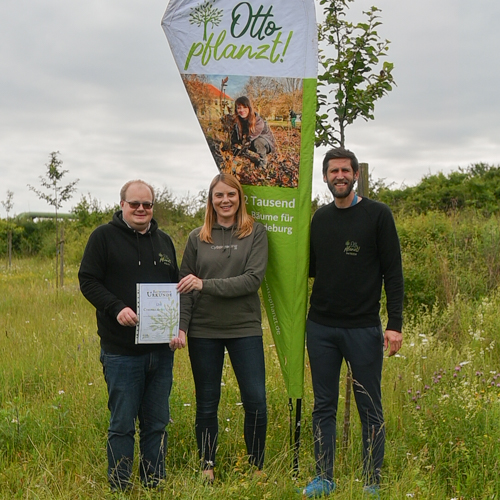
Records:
x=165, y=259
x=351, y=248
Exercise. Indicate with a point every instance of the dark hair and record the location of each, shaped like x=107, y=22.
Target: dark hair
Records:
x=337, y=153
x=251, y=120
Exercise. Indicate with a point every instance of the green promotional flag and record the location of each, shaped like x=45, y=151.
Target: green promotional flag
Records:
x=250, y=71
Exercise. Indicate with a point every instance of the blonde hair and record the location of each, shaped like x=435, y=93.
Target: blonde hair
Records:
x=244, y=222
x=123, y=190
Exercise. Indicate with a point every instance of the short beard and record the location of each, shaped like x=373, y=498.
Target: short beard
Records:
x=345, y=193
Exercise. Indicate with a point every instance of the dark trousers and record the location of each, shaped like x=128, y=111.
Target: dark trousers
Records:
x=261, y=146
x=247, y=359
x=138, y=388
x=363, y=349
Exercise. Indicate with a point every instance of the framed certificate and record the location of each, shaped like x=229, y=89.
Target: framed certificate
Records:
x=158, y=313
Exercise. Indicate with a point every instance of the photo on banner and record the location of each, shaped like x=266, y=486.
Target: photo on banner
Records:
x=228, y=107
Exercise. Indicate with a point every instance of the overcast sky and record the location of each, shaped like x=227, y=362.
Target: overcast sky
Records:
x=96, y=81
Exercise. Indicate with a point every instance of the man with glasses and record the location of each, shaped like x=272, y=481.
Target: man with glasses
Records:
x=131, y=249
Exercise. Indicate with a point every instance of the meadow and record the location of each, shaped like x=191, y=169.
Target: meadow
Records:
x=441, y=392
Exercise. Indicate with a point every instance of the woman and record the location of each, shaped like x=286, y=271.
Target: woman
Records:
x=251, y=128
x=223, y=266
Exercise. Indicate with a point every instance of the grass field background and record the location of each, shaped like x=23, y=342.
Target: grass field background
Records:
x=441, y=401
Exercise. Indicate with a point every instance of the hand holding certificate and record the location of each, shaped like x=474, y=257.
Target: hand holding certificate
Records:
x=158, y=312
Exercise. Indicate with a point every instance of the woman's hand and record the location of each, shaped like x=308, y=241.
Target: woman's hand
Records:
x=178, y=342
x=189, y=283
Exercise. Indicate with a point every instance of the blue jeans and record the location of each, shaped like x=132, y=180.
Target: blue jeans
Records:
x=363, y=349
x=247, y=359
x=138, y=388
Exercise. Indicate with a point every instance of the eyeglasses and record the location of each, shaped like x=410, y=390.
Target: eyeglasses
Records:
x=136, y=204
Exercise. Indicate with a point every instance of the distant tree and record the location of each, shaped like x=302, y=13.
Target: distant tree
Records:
x=204, y=14
x=89, y=212
x=351, y=83
x=8, y=205
x=476, y=187
x=55, y=196
x=198, y=90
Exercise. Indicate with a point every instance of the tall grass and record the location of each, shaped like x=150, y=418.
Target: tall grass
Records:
x=441, y=401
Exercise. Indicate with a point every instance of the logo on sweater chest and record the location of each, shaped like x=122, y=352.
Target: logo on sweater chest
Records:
x=351, y=248
x=224, y=247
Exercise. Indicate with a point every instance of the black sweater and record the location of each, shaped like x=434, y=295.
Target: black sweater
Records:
x=116, y=258
x=353, y=251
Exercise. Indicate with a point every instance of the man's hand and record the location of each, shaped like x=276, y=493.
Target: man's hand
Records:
x=178, y=342
x=188, y=283
x=393, y=340
x=127, y=317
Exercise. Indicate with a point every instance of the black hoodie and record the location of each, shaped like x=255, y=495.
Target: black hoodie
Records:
x=116, y=258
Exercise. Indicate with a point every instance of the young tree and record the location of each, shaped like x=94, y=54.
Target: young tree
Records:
x=55, y=195
x=8, y=205
x=351, y=82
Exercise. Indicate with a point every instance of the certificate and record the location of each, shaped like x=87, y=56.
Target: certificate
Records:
x=158, y=313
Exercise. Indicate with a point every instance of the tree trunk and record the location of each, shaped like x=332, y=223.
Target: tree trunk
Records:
x=61, y=262
x=9, y=248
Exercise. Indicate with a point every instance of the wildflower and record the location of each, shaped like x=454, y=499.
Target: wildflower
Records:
x=458, y=368
x=417, y=407
x=61, y=392
x=426, y=387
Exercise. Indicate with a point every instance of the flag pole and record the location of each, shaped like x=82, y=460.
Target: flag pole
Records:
x=295, y=432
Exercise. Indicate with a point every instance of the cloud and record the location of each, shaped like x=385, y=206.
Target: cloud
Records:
x=96, y=81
